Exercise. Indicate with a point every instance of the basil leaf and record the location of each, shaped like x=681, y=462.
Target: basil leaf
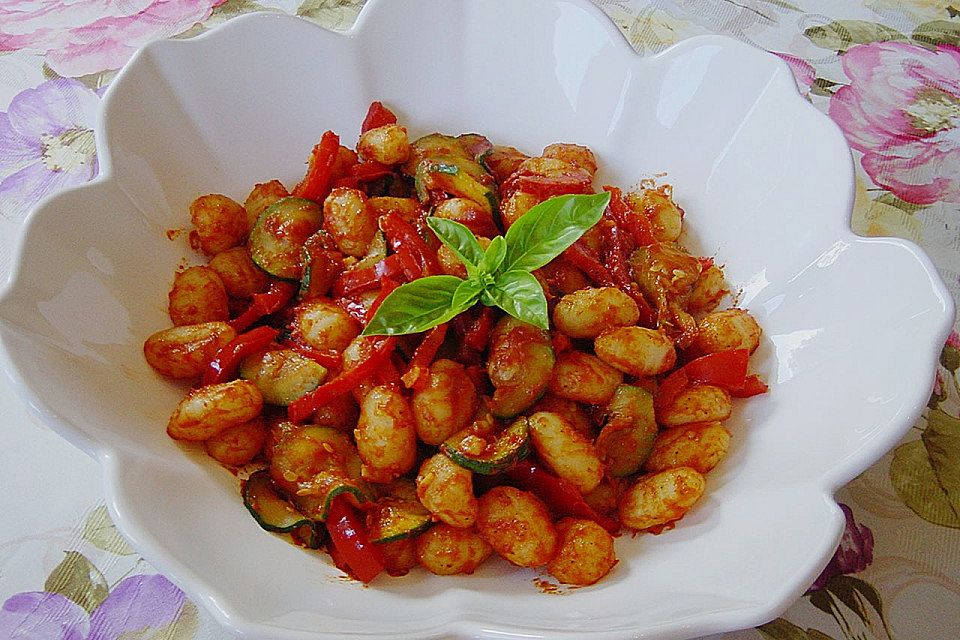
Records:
x=520, y=294
x=494, y=255
x=415, y=306
x=466, y=294
x=543, y=232
x=458, y=239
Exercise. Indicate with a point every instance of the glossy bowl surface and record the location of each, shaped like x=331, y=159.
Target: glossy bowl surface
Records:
x=852, y=325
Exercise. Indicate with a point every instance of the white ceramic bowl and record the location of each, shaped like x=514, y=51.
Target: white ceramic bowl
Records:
x=852, y=326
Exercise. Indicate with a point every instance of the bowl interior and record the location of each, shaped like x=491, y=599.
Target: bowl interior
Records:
x=766, y=183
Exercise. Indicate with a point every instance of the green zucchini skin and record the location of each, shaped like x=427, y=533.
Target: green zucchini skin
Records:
x=282, y=375
x=502, y=451
x=627, y=436
x=271, y=511
x=444, y=163
x=317, y=464
x=277, y=239
x=394, y=518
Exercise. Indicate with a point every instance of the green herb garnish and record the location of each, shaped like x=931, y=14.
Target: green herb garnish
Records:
x=501, y=276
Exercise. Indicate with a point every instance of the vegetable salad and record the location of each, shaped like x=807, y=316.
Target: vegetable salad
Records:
x=438, y=351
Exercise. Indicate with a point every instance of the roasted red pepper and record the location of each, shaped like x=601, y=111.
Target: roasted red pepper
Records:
x=620, y=272
x=477, y=334
x=405, y=241
x=328, y=358
x=275, y=298
x=727, y=369
x=304, y=407
x=418, y=370
x=348, y=534
x=316, y=183
x=752, y=386
x=377, y=116
x=575, y=181
x=583, y=258
x=387, y=286
x=637, y=225
x=367, y=279
x=224, y=365
x=560, y=496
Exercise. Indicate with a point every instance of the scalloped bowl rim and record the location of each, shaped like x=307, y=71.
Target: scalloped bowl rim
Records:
x=199, y=587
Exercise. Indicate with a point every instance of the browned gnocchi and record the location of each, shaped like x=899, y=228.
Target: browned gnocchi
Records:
x=509, y=430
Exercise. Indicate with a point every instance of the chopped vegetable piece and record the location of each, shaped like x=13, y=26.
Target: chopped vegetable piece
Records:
x=559, y=495
x=349, y=535
x=306, y=406
x=726, y=369
x=419, y=366
x=377, y=116
x=316, y=184
x=269, y=509
x=275, y=298
x=225, y=364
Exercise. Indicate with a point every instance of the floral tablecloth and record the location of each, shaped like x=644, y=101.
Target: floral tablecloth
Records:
x=886, y=71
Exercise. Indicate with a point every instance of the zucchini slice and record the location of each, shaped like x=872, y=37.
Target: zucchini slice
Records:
x=282, y=375
x=277, y=239
x=398, y=514
x=491, y=453
x=316, y=464
x=445, y=163
x=627, y=436
x=268, y=507
x=516, y=346
x=310, y=535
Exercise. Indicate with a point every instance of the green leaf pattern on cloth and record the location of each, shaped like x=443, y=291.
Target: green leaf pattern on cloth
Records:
x=79, y=580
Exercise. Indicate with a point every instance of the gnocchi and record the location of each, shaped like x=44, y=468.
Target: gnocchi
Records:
x=518, y=428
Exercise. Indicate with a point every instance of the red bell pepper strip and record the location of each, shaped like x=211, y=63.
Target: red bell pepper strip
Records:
x=637, y=225
x=427, y=350
x=583, y=258
x=316, y=183
x=348, y=534
x=752, y=386
x=369, y=170
x=418, y=369
x=477, y=334
x=377, y=116
x=620, y=272
x=224, y=365
x=560, y=496
x=405, y=240
x=363, y=172
x=571, y=182
x=301, y=409
x=727, y=369
x=275, y=298
x=368, y=278
x=386, y=288
x=328, y=358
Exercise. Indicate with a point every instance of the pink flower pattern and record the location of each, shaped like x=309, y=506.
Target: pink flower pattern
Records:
x=90, y=36
x=902, y=111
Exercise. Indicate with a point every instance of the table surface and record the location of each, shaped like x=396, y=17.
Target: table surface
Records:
x=897, y=572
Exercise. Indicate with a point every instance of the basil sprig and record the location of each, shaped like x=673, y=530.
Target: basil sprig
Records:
x=500, y=276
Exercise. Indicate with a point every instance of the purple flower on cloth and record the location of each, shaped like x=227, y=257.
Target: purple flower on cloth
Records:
x=46, y=143
x=81, y=37
x=902, y=110
x=853, y=555
x=139, y=603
